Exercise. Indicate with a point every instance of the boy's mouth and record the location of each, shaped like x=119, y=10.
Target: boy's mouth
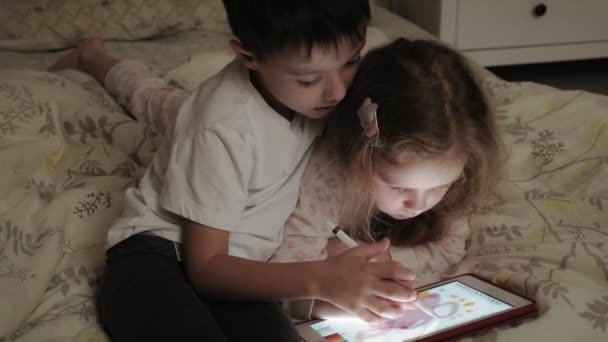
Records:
x=325, y=109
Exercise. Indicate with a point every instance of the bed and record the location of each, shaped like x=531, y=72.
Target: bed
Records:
x=68, y=152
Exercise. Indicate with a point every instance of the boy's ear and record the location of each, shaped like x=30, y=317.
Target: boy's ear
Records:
x=248, y=57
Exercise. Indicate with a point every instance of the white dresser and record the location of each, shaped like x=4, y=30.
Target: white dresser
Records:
x=503, y=32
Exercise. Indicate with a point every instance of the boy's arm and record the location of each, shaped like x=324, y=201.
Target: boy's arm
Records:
x=349, y=280
x=326, y=310
x=305, y=309
x=216, y=274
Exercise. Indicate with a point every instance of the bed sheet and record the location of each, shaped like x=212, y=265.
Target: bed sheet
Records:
x=70, y=151
x=547, y=231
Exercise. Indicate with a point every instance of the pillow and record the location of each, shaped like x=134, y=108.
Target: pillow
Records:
x=36, y=25
x=205, y=64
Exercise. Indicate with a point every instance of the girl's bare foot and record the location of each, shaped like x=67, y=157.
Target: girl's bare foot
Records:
x=81, y=56
x=89, y=57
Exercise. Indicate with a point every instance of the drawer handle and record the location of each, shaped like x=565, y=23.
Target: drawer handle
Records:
x=539, y=10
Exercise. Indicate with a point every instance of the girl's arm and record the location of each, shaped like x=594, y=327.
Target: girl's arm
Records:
x=144, y=94
x=321, y=190
x=438, y=256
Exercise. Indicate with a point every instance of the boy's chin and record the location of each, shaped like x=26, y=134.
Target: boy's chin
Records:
x=318, y=113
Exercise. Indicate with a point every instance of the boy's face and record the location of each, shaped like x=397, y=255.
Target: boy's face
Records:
x=407, y=190
x=310, y=83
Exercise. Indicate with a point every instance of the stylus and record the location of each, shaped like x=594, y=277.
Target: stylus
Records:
x=350, y=243
x=342, y=236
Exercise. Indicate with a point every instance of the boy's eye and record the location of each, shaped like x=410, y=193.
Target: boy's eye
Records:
x=307, y=84
x=400, y=190
x=354, y=61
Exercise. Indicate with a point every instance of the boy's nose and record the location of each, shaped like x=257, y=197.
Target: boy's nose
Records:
x=336, y=89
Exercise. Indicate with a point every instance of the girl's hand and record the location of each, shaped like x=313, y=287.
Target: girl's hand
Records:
x=335, y=247
x=368, y=289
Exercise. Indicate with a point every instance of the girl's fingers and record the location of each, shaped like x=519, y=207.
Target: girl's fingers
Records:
x=335, y=247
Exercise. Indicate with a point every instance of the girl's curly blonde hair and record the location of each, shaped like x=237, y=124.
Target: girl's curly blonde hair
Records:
x=428, y=101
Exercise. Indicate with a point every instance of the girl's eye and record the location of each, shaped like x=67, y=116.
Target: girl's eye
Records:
x=402, y=190
x=442, y=188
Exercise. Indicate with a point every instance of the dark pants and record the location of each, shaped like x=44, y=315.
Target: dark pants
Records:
x=146, y=296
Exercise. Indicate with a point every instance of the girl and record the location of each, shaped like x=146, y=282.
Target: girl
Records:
x=412, y=149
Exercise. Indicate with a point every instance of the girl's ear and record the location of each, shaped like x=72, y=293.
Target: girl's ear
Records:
x=248, y=57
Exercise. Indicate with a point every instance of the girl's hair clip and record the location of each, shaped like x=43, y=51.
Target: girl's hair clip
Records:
x=368, y=117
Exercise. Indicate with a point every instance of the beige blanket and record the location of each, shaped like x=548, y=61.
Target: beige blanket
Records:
x=68, y=151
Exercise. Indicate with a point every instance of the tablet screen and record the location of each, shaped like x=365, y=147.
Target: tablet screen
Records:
x=454, y=303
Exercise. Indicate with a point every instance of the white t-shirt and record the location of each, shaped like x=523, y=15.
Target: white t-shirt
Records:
x=232, y=163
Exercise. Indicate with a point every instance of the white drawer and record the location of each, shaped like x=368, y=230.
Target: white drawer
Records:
x=498, y=23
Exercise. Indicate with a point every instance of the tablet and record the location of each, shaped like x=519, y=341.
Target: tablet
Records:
x=462, y=305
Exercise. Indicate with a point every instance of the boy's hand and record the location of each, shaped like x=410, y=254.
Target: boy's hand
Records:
x=368, y=289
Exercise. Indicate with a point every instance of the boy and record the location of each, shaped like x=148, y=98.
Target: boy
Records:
x=222, y=187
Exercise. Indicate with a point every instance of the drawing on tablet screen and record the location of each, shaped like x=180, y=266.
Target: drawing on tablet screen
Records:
x=453, y=303
x=442, y=306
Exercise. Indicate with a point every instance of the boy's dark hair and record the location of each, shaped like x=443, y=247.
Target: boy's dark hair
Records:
x=265, y=27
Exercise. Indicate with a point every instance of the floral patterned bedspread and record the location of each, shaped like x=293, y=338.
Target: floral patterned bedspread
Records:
x=548, y=231
x=68, y=151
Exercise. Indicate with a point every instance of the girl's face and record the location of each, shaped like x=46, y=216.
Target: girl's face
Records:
x=408, y=189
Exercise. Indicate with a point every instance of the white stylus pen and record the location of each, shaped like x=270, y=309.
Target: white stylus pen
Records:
x=350, y=243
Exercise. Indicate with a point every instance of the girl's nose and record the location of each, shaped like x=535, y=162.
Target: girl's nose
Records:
x=416, y=202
